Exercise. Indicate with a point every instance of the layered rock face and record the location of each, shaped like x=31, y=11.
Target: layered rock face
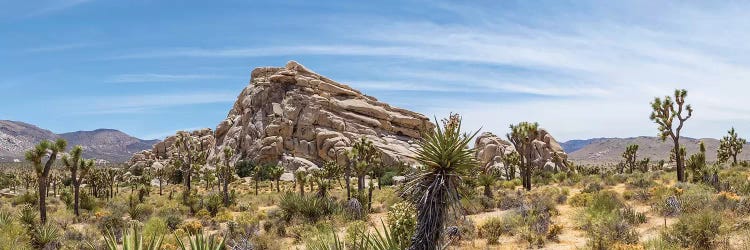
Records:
x=491, y=150
x=298, y=118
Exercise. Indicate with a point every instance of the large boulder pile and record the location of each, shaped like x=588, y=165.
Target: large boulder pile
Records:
x=549, y=155
x=297, y=118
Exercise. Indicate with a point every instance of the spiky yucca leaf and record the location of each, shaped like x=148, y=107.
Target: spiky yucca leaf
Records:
x=445, y=156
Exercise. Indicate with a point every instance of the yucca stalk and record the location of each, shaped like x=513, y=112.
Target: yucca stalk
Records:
x=445, y=156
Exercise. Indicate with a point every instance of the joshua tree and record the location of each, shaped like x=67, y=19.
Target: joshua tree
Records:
x=444, y=156
x=697, y=164
x=275, y=172
x=363, y=157
x=510, y=161
x=522, y=136
x=79, y=169
x=664, y=114
x=35, y=156
x=630, y=157
x=487, y=179
x=300, y=178
x=730, y=146
x=161, y=173
x=190, y=155
x=225, y=171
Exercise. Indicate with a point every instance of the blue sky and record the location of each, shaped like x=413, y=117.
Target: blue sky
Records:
x=581, y=68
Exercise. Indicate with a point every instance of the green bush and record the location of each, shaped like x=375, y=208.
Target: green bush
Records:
x=604, y=223
x=699, y=230
x=28, y=198
x=87, y=202
x=308, y=207
x=155, y=227
x=140, y=212
x=507, y=199
x=580, y=200
x=173, y=221
x=402, y=220
x=213, y=202
x=495, y=227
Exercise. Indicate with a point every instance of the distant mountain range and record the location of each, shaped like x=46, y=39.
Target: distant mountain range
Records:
x=609, y=150
x=105, y=144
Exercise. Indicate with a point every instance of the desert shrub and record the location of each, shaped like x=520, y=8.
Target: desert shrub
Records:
x=87, y=202
x=726, y=200
x=580, y=199
x=640, y=180
x=213, y=202
x=155, y=226
x=387, y=178
x=173, y=221
x=604, y=223
x=592, y=188
x=658, y=243
x=495, y=227
x=507, y=199
x=472, y=205
x=511, y=184
x=192, y=227
x=248, y=224
x=28, y=198
x=698, y=230
x=308, y=207
x=111, y=222
x=203, y=214
x=140, y=212
x=695, y=197
x=264, y=241
x=631, y=216
x=67, y=197
x=224, y=215
x=402, y=221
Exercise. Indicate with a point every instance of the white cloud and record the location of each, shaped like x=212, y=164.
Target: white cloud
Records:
x=610, y=65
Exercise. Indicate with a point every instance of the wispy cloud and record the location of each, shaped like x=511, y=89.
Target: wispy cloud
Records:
x=148, y=103
x=149, y=77
x=47, y=7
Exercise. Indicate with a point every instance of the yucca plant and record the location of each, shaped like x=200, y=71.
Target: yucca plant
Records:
x=385, y=240
x=200, y=242
x=132, y=239
x=46, y=236
x=445, y=156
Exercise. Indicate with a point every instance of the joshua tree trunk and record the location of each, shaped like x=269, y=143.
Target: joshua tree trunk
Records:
x=225, y=184
x=487, y=190
x=347, y=179
x=76, y=197
x=678, y=160
x=43, y=199
x=278, y=188
x=256, y=186
x=160, y=187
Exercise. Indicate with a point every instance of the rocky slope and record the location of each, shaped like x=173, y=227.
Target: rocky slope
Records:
x=105, y=144
x=609, y=150
x=491, y=150
x=295, y=117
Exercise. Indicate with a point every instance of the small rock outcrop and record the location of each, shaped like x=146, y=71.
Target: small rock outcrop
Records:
x=491, y=149
x=161, y=151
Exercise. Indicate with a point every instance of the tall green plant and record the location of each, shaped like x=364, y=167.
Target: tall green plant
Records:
x=79, y=169
x=445, y=156
x=522, y=136
x=664, y=114
x=35, y=156
x=730, y=146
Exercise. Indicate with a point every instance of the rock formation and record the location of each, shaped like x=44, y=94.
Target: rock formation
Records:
x=297, y=118
x=491, y=150
x=162, y=150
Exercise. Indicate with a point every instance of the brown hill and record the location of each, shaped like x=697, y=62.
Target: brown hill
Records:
x=105, y=144
x=609, y=150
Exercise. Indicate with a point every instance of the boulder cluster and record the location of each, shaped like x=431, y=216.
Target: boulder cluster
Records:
x=548, y=154
x=295, y=117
